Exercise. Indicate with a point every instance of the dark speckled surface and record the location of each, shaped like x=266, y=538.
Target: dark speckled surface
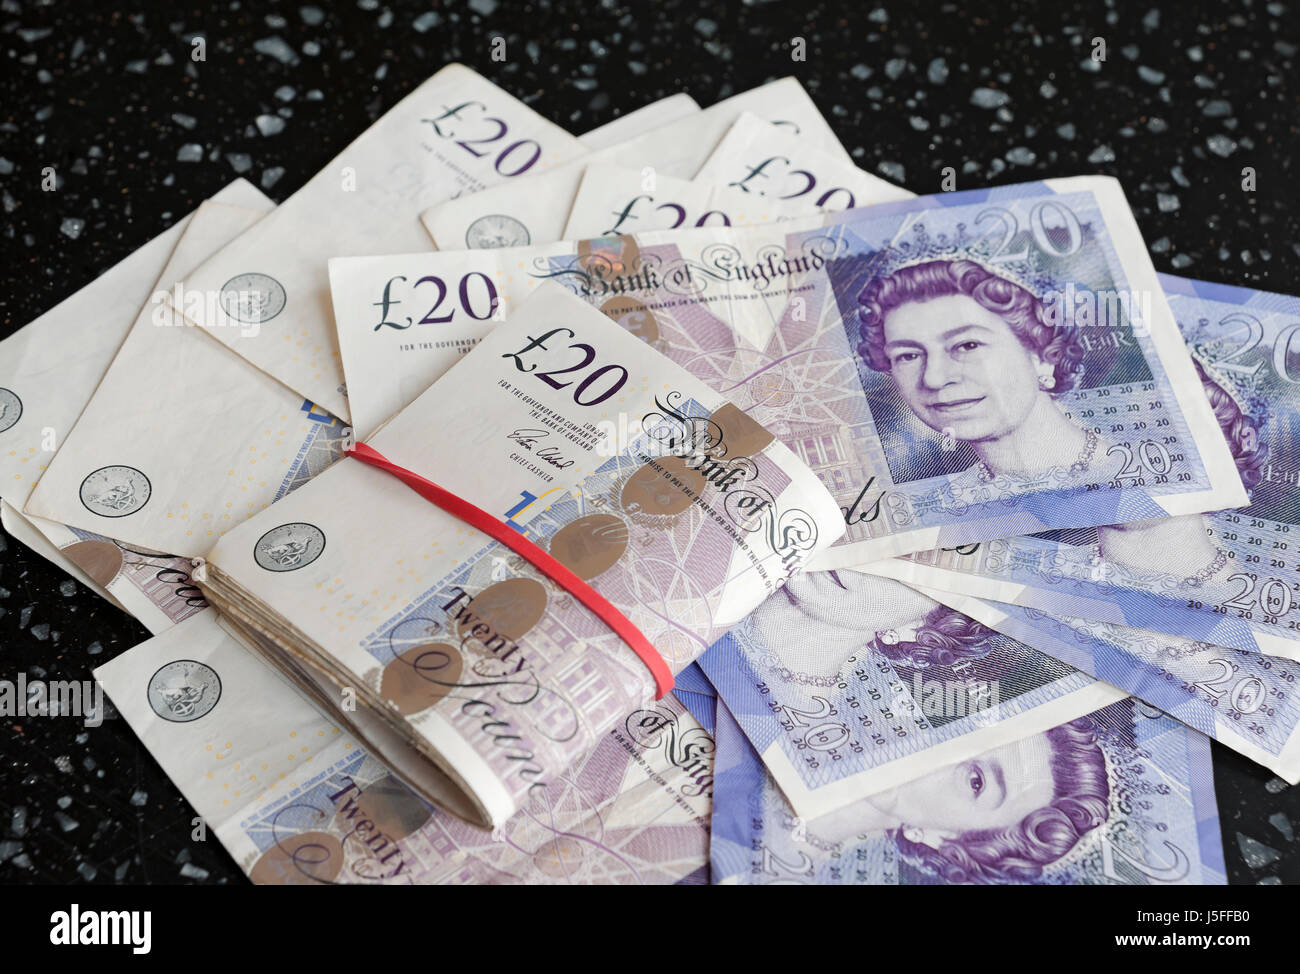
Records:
x=138, y=134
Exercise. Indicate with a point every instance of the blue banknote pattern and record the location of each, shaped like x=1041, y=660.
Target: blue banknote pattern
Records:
x=1244, y=700
x=693, y=689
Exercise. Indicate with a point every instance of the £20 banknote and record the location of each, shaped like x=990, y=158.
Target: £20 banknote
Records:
x=1231, y=577
x=926, y=357
x=1121, y=796
x=297, y=801
x=500, y=676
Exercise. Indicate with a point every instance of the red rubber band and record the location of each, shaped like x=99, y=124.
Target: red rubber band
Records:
x=554, y=570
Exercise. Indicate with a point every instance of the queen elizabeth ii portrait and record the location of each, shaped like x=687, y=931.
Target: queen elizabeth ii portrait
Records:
x=1005, y=816
x=977, y=358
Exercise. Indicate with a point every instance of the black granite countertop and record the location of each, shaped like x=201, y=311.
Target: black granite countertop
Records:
x=138, y=134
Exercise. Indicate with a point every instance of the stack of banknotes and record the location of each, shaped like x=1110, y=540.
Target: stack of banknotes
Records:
x=961, y=530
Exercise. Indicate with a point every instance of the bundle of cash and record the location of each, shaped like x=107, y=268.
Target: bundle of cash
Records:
x=956, y=531
x=685, y=521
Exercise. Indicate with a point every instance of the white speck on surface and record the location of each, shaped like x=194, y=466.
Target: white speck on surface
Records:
x=276, y=47
x=1221, y=145
x=989, y=98
x=270, y=124
x=1257, y=854
x=892, y=170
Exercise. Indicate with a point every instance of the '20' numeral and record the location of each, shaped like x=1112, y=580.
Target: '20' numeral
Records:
x=1042, y=234
x=525, y=152
x=388, y=301
x=614, y=376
